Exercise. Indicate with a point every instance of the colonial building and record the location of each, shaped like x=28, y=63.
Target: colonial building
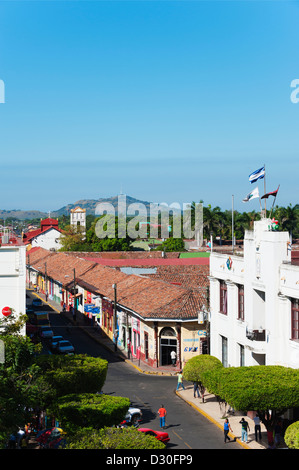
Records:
x=47, y=236
x=78, y=218
x=254, y=301
x=147, y=317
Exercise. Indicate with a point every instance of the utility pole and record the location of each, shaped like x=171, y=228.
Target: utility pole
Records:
x=74, y=294
x=115, y=318
x=46, y=287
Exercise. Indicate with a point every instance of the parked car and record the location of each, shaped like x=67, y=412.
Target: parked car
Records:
x=37, y=303
x=132, y=418
x=54, y=342
x=65, y=347
x=160, y=435
x=46, y=332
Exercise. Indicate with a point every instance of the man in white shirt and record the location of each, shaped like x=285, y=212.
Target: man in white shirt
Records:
x=173, y=357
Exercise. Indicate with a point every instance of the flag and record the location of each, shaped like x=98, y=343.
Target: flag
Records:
x=274, y=193
x=252, y=195
x=256, y=175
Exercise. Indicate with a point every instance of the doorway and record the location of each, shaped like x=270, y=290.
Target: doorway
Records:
x=168, y=343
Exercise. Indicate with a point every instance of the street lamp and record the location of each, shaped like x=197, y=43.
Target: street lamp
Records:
x=203, y=318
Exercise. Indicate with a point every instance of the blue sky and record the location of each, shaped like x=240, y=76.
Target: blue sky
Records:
x=170, y=101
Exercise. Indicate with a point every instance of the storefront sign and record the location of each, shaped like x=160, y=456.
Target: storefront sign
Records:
x=6, y=311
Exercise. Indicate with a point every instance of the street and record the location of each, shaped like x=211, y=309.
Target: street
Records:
x=187, y=428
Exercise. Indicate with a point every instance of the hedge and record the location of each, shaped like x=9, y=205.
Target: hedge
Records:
x=74, y=374
x=90, y=410
x=291, y=436
x=113, y=438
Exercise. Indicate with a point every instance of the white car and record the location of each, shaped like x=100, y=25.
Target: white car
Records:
x=46, y=332
x=132, y=417
x=65, y=347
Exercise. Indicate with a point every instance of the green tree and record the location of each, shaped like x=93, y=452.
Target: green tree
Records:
x=259, y=388
x=172, y=244
x=196, y=367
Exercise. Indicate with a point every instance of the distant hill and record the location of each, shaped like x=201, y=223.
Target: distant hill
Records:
x=88, y=204
x=22, y=215
x=91, y=204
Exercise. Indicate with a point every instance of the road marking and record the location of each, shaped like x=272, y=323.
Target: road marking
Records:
x=182, y=439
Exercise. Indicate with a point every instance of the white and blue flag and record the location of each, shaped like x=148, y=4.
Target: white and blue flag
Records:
x=256, y=175
x=252, y=195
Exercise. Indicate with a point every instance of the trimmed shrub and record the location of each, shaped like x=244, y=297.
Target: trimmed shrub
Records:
x=291, y=436
x=90, y=410
x=198, y=368
x=74, y=374
x=112, y=438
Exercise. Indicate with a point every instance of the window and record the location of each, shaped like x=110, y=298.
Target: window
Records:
x=224, y=351
x=242, y=356
x=241, y=302
x=223, y=297
x=295, y=319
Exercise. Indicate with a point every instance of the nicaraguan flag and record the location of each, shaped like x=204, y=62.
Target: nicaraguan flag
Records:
x=256, y=175
x=255, y=193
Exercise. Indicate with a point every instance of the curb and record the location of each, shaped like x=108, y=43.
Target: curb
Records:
x=236, y=439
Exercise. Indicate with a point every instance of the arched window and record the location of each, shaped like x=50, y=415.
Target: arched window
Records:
x=167, y=331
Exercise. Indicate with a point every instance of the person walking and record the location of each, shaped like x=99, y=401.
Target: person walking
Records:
x=162, y=413
x=196, y=389
x=257, y=427
x=173, y=357
x=226, y=429
x=180, y=380
x=245, y=429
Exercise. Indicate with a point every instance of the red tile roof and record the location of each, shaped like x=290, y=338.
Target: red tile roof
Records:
x=150, y=298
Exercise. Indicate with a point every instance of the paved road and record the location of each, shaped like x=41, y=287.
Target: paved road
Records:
x=187, y=428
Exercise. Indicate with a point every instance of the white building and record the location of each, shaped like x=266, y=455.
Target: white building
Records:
x=47, y=236
x=78, y=218
x=254, y=302
x=13, y=279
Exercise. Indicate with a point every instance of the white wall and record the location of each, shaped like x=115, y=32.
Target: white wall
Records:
x=13, y=279
x=48, y=240
x=269, y=279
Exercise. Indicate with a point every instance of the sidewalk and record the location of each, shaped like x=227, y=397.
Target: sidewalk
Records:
x=210, y=408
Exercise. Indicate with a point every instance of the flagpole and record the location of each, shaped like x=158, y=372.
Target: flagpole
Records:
x=274, y=201
x=233, y=223
x=265, y=189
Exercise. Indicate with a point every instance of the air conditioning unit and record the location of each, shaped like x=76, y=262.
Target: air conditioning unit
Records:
x=249, y=334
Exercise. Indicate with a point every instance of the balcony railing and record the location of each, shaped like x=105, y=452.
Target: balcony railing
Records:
x=256, y=335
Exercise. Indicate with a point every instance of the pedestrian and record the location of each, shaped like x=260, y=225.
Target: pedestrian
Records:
x=226, y=429
x=162, y=413
x=20, y=436
x=245, y=429
x=173, y=357
x=115, y=336
x=257, y=427
x=277, y=433
x=180, y=380
x=129, y=348
x=12, y=443
x=196, y=389
x=202, y=391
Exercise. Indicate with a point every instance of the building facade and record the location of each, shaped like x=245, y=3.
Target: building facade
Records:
x=254, y=300
x=151, y=318
x=13, y=279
